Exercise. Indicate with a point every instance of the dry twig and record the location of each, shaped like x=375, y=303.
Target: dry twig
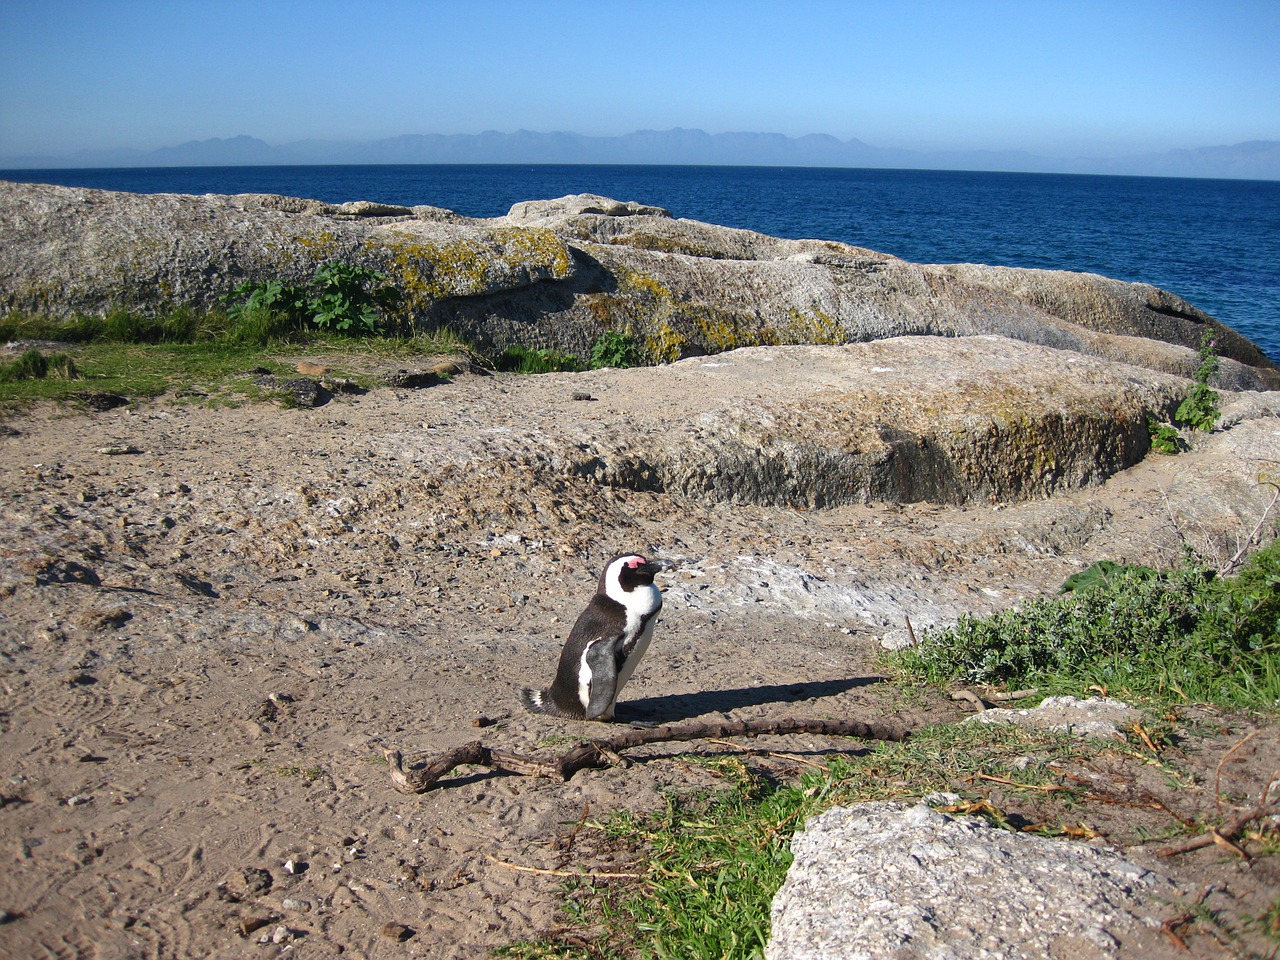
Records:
x=1217, y=776
x=607, y=750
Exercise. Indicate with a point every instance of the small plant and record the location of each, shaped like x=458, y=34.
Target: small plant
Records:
x=1165, y=437
x=614, y=349
x=350, y=296
x=260, y=311
x=344, y=297
x=1199, y=410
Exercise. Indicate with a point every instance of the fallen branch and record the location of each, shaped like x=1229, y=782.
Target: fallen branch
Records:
x=1225, y=832
x=606, y=750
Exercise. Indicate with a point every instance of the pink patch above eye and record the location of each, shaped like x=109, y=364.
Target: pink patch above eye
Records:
x=636, y=562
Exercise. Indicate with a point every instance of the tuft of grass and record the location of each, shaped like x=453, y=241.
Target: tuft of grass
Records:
x=521, y=359
x=34, y=365
x=1175, y=635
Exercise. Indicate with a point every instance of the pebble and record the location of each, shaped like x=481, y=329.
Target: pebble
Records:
x=297, y=906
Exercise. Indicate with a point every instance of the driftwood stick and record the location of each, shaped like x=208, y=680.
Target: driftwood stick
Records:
x=605, y=751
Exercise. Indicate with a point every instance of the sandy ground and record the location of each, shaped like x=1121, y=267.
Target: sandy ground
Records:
x=213, y=621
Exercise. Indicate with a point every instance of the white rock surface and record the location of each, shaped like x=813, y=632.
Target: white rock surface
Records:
x=884, y=880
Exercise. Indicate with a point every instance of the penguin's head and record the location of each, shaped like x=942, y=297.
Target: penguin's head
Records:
x=630, y=570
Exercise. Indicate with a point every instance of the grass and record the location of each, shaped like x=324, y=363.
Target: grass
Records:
x=710, y=864
x=199, y=353
x=207, y=352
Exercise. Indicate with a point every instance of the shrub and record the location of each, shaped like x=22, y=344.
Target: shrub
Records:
x=350, y=296
x=1176, y=634
x=345, y=297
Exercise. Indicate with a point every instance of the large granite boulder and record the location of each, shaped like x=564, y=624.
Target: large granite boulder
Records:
x=560, y=273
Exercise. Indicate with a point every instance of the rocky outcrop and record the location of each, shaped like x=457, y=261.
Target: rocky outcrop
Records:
x=560, y=273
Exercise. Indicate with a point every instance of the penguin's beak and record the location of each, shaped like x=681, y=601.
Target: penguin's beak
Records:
x=658, y=565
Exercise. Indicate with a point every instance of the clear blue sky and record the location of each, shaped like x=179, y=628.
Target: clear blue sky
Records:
x=1090, y=77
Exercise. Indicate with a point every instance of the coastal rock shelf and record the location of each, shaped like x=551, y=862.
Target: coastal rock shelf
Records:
x=558, y=273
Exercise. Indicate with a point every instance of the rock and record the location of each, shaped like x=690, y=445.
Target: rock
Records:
x=367, y=208
x=582, y=204
x=1094, y=717
x=257, y=879
x=101, y=401
x=558, y=273
x=396, y=931
x=410, y=379
x=71, y=249
x=295, y=391
x=905, y=419
x=889, y=880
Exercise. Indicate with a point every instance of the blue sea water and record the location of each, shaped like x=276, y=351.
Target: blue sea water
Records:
x=1214, y=242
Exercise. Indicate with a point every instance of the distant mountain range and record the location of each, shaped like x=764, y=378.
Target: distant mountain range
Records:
x=1255, y=160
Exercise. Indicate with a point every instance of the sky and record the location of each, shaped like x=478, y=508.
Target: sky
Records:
x=1095, y=78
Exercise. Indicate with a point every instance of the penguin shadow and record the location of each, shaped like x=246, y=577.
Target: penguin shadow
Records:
x=687, y=706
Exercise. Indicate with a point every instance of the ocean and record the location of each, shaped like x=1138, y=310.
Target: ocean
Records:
x=1214, y=242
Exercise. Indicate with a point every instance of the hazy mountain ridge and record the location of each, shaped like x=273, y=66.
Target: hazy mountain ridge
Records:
x=1256, y=159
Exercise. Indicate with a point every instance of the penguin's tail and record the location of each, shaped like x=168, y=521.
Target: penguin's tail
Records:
x=539, y=701
x=535, y=701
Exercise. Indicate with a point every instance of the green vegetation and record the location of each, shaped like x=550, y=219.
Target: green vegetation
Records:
x=345, y=297
x=615, y=350
x=519, y=359
x=610, y=350
x=186, y=352
x=1175, y=635
x=34, y=365
x=1198, y=411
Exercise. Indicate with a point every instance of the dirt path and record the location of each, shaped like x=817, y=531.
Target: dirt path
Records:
x=207, y=642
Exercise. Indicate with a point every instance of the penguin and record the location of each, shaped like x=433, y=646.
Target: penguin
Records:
x=606, y=643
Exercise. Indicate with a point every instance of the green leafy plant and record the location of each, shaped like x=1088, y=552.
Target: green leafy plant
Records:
x=1199, y=410
x=614, y=349
x=260, y=311
x=1165, y=437
x=350, y=296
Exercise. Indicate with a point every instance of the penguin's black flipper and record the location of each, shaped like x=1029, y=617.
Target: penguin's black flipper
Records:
x=602, y=663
